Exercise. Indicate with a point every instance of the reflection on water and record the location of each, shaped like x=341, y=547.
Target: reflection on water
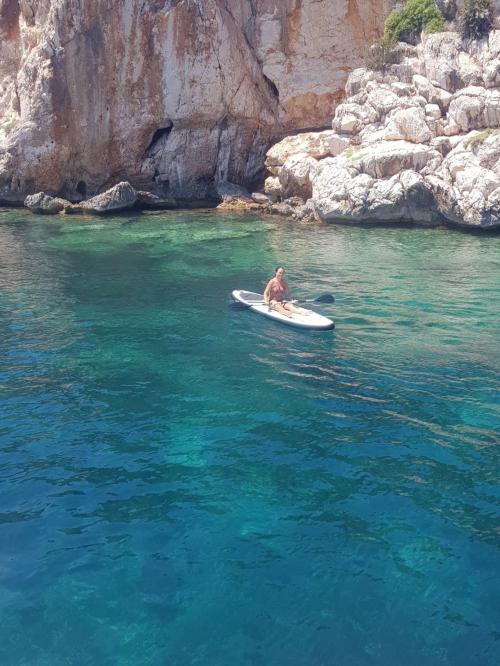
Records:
x=184, y=483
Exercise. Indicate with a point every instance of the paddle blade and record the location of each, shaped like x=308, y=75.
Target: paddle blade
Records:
x=236, y=305
x=325, y=298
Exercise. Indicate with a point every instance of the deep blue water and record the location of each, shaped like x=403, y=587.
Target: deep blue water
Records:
x=186, y=484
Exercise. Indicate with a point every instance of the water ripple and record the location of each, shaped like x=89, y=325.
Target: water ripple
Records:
x=178, y=474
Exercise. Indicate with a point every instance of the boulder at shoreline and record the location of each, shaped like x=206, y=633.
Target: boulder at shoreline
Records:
x=119, y=197
x=44, y=204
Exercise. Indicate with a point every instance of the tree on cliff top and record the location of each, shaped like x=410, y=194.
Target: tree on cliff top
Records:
x=407, y=24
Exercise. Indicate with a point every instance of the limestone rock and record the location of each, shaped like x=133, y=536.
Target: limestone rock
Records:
x=294, y=201
x=439, y=52
x=332, y=186
x=272, y=188
x=442, y=144
x=491, y=74
x=432, y=111
x=407, y=68
x=307, y=47
x=371, y=134
x=228, y=191
x=260, y=198
x=409, y=125
x=465, y=184
x=149, y=200
x=469, y=69
x=306, y=212
x=282, y=209
x=296, y=174
x=238, y=203
x=494, y=203
x=350, y=118
x=485, y=147
x=476, y=178
x=42, y=203
x=452, y=129
x=475, y=107
x=388, y=158
x=401, y=89
x=119, y=197
x=403, y=197
x=383, y=100
x=433, y=94
x=414, y=151
x=444, y=197
x=357, y=80
x=314, y=144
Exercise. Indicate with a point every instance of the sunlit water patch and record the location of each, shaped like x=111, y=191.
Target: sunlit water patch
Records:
x=183, y=483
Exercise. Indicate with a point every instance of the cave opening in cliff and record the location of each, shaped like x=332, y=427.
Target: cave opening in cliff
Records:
x=161, y=134
x=272, y=87
x=81, y=188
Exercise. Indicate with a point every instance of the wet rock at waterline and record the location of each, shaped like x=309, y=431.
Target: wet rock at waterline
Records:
x=119, y=197
x=150, y=200
x=44, y=204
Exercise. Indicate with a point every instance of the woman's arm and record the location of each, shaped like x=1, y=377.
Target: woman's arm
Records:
x=287, y=290
x=266, y=292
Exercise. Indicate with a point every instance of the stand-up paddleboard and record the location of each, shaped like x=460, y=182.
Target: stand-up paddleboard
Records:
x=255, y=302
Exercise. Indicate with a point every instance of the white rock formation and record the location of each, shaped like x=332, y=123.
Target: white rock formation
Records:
x=273, y=189
x=409, y=125
x=475, y=107
x=296, y=176
x=425, y=149
x=314, y=144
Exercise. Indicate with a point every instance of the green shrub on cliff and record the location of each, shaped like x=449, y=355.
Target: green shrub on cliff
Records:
x=478, y=139
x=380, y=55
x=476, y=18
x=405, y=25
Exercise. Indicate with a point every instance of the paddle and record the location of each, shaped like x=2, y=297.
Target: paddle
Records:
x=324, y=298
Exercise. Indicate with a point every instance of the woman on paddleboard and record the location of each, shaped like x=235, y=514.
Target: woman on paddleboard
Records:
x=275, y=292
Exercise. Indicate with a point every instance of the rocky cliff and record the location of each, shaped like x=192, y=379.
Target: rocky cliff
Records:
x=418, y=142
x=174, y=96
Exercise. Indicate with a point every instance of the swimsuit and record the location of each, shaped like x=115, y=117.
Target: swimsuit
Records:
x=278, y=291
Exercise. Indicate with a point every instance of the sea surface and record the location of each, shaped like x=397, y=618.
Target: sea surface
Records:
x=182, y=483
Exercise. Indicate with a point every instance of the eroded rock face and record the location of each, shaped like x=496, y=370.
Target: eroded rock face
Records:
x=173, y=95
x=315, y=144
x=307, y=48
x=420, y=150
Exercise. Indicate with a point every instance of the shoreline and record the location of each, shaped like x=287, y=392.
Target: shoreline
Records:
x=239, y=211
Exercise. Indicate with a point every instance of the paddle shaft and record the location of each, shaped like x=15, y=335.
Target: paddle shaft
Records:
x=325, y=298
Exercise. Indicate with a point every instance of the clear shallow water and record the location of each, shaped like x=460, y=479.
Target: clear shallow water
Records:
x=186, y=484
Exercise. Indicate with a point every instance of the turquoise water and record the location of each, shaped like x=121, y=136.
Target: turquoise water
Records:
x=186, y=484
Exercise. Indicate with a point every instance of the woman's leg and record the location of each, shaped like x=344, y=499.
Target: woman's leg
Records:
x=280, y=307
x=293, y=308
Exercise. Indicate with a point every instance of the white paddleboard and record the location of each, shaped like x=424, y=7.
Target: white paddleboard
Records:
x=313, y=321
